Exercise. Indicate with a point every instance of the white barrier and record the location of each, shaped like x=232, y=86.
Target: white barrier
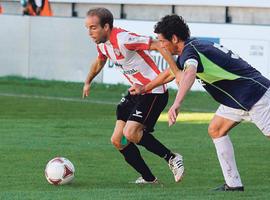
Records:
x=45, y=48
x=60, y=49
x=238, y=3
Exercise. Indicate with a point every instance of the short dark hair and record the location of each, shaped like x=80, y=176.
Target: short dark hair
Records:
x=105, y=16
x=171, y=25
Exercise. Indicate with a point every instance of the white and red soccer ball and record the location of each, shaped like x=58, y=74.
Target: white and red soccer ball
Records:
x=59, y=171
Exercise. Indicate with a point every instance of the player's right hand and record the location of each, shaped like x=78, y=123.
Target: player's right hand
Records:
x=173, y=113
x=86, y=90
x=136, y=89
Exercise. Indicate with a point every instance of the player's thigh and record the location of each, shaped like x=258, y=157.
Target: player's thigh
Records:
x=260, y=114
x=220, y=126
x=125, y=107
x=148, y=109
x=118, y=134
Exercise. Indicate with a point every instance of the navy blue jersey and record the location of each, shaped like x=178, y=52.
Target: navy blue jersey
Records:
x=229, y=79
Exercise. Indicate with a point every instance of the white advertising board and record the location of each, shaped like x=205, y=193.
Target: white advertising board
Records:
x=45, y=52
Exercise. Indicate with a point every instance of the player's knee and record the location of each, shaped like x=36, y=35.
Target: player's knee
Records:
x=213, y=131
x=116, y=143
x=130, y=134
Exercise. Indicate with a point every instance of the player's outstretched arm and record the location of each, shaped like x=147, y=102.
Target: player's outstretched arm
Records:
x=96, y=67
x=187, y=80
x=164, y=77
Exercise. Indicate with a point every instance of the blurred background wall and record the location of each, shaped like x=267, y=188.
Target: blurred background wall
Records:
x=58, y=47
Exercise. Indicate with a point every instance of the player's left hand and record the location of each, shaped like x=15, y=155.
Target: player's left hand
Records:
x=86, y=90
x=136, y=89
x=173, y=113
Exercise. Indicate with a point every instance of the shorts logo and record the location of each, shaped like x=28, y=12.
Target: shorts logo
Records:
x=123, y=100
x=137, y=114
x=201, y=82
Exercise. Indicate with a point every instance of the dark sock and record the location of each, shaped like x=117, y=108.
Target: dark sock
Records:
x=133, y=157
x=154, y=146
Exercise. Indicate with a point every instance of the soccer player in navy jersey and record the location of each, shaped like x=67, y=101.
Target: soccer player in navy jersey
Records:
x=242, y=91
x=136, y=115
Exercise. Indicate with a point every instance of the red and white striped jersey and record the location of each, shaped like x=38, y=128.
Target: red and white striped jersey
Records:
x=130, y=54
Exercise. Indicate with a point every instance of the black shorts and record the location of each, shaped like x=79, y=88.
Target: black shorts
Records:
x=144, y=109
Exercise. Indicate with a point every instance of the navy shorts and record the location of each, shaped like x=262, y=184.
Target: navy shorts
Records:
x=144, y=109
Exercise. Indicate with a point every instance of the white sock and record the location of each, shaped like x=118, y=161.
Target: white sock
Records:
x=227, y=162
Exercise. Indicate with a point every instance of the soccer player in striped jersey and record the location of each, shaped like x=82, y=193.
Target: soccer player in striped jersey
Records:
x=136, y=115
x=242, y=91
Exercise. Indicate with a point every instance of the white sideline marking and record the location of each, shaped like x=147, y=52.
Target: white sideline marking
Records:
x=57, y=98
x=78, y=100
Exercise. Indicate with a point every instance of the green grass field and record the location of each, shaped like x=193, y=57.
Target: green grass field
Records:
x=43, y=119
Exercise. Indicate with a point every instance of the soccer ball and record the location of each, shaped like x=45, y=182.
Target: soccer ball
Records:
x=59, y=171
